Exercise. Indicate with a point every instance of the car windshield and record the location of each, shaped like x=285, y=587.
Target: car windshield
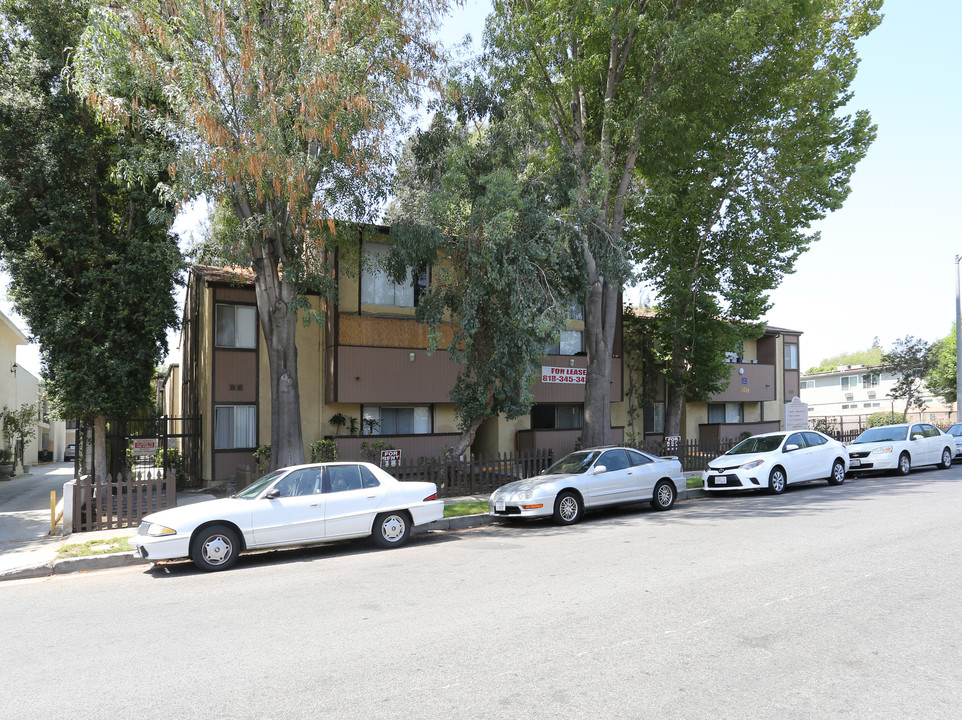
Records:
x=573, y=464
x=257, y=487
x=883, y=434
x=955, y=430
x=757, y=445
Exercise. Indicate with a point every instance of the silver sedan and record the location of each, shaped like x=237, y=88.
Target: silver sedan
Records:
x=590, y=479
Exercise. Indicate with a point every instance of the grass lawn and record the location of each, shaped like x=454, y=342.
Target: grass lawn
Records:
x=95, y=547
x=468, y=508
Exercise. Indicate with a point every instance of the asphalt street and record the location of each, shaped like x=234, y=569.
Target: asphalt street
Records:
x=820, y=603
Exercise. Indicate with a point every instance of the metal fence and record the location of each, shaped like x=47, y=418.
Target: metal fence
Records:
x=480, y=475
x=694, y=455
x=121, y=502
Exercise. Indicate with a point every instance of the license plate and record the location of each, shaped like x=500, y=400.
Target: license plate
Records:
x=854, y=463
x=721, y=480
x=499, y=506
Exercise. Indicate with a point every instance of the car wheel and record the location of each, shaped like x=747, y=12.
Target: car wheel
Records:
x=567, y=508
x=664, y=496
x=391, y=529
x=905, y=464
x=777, y=481
x=215, y=548
x=946, y=459
x=838, y=473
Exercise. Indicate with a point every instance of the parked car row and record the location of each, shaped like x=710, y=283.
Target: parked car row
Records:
x=774, y=460
x=316, y=503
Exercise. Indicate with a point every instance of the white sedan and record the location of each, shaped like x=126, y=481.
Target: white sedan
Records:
x=590, y=479
x=299, y=505
x=900, y=447
x=772, y=461
x=956, y=432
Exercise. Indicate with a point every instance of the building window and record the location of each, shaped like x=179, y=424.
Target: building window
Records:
x=849, y=382
x=655, y=417
x=394, y=420
x=556, y=417
x=870, y=380
x=725, y=413
x=791, y=356
x=236, y=326
x=378, y=289
x=807, y=384
x=235, y=427
x=572, y=342
x=871, y=405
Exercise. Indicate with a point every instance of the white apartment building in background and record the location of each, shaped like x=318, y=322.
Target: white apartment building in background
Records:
x=851, y=393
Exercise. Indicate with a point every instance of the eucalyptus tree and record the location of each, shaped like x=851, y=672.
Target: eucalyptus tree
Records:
x=84, y=218
x=471, y=205
x=631, y=93
x=286, y=111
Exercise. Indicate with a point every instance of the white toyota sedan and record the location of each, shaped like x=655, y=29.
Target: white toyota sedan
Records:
x=590, y=479
x=299, y=505
x=956, y=432
x=900, y=447
x=773, y=461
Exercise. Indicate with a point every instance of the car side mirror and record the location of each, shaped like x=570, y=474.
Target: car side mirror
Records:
x=273, y=493
x=790, y=448
x=598, y=469
x=916, y=437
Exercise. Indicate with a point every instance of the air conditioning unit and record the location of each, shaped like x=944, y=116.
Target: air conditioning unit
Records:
x=848, y=396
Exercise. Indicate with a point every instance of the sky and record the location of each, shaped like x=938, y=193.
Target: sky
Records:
x=885, y=264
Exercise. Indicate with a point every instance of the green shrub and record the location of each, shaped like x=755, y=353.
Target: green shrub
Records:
x=884, y=418
x=323, y=451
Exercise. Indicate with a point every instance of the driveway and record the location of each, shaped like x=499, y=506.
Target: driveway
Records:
x=25, y=501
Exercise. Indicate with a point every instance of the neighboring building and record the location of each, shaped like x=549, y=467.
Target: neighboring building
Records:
x=19, y=387
x=845, y=397
x=368, y=361
x=764, y=377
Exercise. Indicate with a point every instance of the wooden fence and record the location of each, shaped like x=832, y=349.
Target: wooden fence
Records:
x=122, y=502
x=480, y=475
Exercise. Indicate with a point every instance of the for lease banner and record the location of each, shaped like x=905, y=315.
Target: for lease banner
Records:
x=563, y=375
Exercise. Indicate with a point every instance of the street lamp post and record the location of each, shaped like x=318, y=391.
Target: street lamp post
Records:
x=958, y=342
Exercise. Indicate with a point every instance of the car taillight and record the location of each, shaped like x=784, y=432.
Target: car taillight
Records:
x=432, y=496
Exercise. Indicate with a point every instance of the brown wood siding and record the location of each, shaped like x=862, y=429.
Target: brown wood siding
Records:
x=758, y=385
x=385, y=332
x=387, y=375
x=235, y=376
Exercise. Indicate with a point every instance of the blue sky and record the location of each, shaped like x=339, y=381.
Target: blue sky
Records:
x=885, y=265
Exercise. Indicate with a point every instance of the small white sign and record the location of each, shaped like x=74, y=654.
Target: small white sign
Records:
x=796, y=415
x=672, y=442
x=145, y=446
x=390, y=458
x=576, y=376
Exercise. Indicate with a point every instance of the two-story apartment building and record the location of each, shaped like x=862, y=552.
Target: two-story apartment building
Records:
x=763, y=377
x=367, y=367
x=846, y=396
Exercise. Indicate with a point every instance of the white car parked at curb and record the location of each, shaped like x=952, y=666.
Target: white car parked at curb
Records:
x=299, y=505
x=590, y=479
x=900, y=447
x=775, y=460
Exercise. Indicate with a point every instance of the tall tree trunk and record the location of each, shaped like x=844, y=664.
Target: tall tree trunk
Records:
x=601, y=314
x=457, y=450
x=675, y=389
x=100, y=448
x=279, y=324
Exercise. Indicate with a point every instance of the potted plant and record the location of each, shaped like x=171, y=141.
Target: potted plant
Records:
x=338, y=420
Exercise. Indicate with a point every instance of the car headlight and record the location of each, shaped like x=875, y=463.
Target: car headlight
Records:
x=751, y=465
x=882, y=450
x=155, y=530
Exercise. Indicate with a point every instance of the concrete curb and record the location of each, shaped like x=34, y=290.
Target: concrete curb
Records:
x=114, y=560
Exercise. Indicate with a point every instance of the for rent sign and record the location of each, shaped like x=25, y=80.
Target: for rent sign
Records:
x=563, y=375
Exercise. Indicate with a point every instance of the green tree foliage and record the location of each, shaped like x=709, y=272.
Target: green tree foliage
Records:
x=700, y=137
x=472, y=206
x=869, y=358
x=910, y=360
x=722, y=225
x=941, y=379
x=286, y=112
x=84, y=221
